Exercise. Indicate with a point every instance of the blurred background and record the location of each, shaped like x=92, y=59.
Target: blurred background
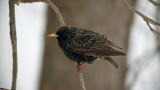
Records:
x=42, y=64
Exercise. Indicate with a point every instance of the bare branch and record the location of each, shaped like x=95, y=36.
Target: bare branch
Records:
x=154, y=3
x=82, y=80
x=3, y=89
x=54, y=7
x=142, y=15
x=13, y=42
x=139, y=13
x=154, y=31
x=28, y=1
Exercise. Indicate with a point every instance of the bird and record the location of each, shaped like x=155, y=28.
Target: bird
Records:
x=85, y=46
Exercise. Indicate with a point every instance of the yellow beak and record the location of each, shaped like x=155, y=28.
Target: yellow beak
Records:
x=53, y=35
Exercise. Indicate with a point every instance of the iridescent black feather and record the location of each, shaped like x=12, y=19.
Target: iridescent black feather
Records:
x=82, y=45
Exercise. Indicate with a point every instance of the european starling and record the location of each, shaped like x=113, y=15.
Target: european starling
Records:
x=84, y=46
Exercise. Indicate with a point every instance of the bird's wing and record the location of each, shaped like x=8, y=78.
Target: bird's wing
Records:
x=93, y=44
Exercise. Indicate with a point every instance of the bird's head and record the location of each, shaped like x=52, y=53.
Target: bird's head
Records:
x=63, y=34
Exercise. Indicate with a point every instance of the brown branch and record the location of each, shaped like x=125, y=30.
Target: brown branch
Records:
x=54, y=7
x=142, y=15
x=13, y=42
x=28, y=1
x=154, y=3
x=154, y=31
x=3, y=89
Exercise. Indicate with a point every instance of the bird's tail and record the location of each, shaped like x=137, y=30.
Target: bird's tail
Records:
x=114, y=63
x=113, y=45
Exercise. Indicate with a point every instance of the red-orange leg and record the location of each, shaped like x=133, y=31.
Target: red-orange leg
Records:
x=79, y=66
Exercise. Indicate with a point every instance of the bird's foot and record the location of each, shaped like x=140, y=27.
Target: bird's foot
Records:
x=79, y=66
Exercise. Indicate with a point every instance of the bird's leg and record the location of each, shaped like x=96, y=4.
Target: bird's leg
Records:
x=79, y=66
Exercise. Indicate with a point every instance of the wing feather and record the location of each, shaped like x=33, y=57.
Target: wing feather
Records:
x=93, y=44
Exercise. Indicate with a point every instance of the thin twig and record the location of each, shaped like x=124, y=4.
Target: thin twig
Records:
x=139, y=13
x=82, y=80
x=142, y=15
x=28, y=1
x=54, y=7
x=3, y=89
x=154, y=31
x=13, y=42
x=154, y=3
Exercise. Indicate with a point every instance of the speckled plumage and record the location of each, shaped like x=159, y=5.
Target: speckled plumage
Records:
x=82, y=45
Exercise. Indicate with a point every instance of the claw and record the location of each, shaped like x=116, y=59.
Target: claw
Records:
x=79, y=66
